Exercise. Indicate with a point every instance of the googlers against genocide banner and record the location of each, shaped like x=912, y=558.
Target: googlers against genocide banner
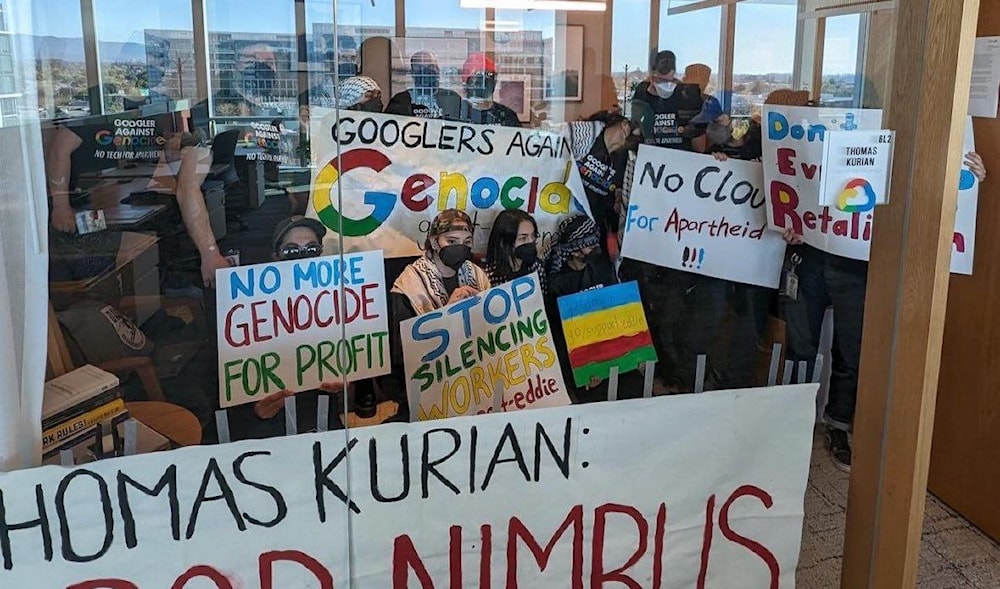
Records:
x=394, y=174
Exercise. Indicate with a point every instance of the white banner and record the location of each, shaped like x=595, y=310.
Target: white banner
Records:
x=293, y=325
x=390, y=176
x=690, y=212
x=793, y=152
x=588, y=495
x=458, y=356
x=964, y=241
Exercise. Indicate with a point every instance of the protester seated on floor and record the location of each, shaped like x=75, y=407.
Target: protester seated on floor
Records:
x=294, y=238
x=445, y=274
x=512, y=251
x=575, y=263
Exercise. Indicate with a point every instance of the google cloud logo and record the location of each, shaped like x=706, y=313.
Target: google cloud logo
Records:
x=848, y=202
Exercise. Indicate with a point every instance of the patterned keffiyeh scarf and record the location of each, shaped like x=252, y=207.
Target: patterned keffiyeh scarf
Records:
x=574, y=234
x=422, y=284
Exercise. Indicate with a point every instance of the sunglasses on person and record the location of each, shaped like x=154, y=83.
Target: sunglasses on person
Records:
x=294, y=251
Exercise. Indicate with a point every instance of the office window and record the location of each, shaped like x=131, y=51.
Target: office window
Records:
x=763, y=52
x=695, y=38
x=842, y=79
x=59, y=59
x=446, y=30
x=146, y=51
x=334, y=55
x=252, y=58
x=526, y=59
x=629, y=46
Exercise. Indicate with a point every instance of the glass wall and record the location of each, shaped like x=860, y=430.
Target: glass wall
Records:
x=764, y=52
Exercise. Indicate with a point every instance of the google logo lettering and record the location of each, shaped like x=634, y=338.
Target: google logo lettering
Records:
x=416, y=194
x=851, y=192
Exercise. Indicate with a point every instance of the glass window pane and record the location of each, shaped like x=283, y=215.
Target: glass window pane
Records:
x=763, y=52
x=59, y=59
x=694, y=37
x=146, y=51
x=841, y=78
x=252, y=58
x=629, y=46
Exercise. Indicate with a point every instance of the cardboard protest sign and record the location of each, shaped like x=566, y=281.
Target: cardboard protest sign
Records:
x=292, y=325
x=381, y=179
x=605, y=327
x=964, y=240
x=690, y=212
x=793, y=152
x=586, y=495
x=456, y=358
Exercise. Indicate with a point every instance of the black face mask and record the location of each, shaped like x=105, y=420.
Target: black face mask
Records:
x=527, y=253
x=594, y=257
x=426, y=78
x=258, y=78
x=371, y=105
x=633, y=142
x=347, y=69
x=481, y=85
x=454, y=256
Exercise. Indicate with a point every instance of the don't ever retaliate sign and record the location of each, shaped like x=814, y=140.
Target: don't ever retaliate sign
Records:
x=686, y=491
x=459, y=357
x=293, y=325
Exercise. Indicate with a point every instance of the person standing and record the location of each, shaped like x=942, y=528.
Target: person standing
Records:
x=426, y=99
x=479, y=79
x=512, y=251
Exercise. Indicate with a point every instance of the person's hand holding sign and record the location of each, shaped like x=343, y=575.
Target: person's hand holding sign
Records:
x=791, y=237
x=269, y=407
x=461, y=293
x=976, y=165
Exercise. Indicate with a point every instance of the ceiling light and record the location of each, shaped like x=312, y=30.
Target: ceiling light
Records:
x=571, y=5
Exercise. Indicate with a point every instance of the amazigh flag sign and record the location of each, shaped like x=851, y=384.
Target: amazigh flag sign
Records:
x=605, y=327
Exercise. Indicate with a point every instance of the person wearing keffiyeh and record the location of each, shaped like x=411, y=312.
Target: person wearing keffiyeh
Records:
x=575, y=263
x=445, y=274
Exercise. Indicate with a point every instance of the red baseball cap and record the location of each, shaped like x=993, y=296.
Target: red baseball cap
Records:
x=477, y=62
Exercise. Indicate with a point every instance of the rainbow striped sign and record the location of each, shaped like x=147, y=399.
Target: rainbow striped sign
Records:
x=605, y=327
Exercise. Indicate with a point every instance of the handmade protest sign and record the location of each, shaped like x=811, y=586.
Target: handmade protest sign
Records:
x=605, y=327
x=458, y=357
x=793, y=152
x=381, y=179
x=586, y=495
x=964, y=240
x=690, y=212
x=292, y=325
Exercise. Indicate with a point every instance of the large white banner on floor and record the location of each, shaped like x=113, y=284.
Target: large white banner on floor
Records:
x=381, y=179
x=650, y=493
x=690, y=212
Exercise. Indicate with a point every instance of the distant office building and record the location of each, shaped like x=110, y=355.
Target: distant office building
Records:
x=10, y=98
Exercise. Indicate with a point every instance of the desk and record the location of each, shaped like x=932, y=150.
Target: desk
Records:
x=171, y=421
x=132, y=217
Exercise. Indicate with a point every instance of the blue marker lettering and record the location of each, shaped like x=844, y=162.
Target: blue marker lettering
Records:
x=418, y=334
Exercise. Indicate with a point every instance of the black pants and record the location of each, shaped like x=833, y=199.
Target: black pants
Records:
x=750, y=306
x=685, y=313
x=826, y=280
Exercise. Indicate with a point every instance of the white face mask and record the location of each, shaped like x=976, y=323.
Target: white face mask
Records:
x=665, y=89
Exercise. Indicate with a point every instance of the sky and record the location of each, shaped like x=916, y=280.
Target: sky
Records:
x=765, y=33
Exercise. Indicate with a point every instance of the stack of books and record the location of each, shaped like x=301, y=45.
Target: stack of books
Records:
x=79, y=407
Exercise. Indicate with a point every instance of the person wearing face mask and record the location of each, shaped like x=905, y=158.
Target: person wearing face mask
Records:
x=575, y=263
x=426, y=99
x=479, y=78
x=600, y=147
x=445, y=274
x=512, y=251
x=294, y=238
x=663, y=107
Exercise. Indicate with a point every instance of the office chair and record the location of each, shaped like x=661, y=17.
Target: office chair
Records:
x=224, y=169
